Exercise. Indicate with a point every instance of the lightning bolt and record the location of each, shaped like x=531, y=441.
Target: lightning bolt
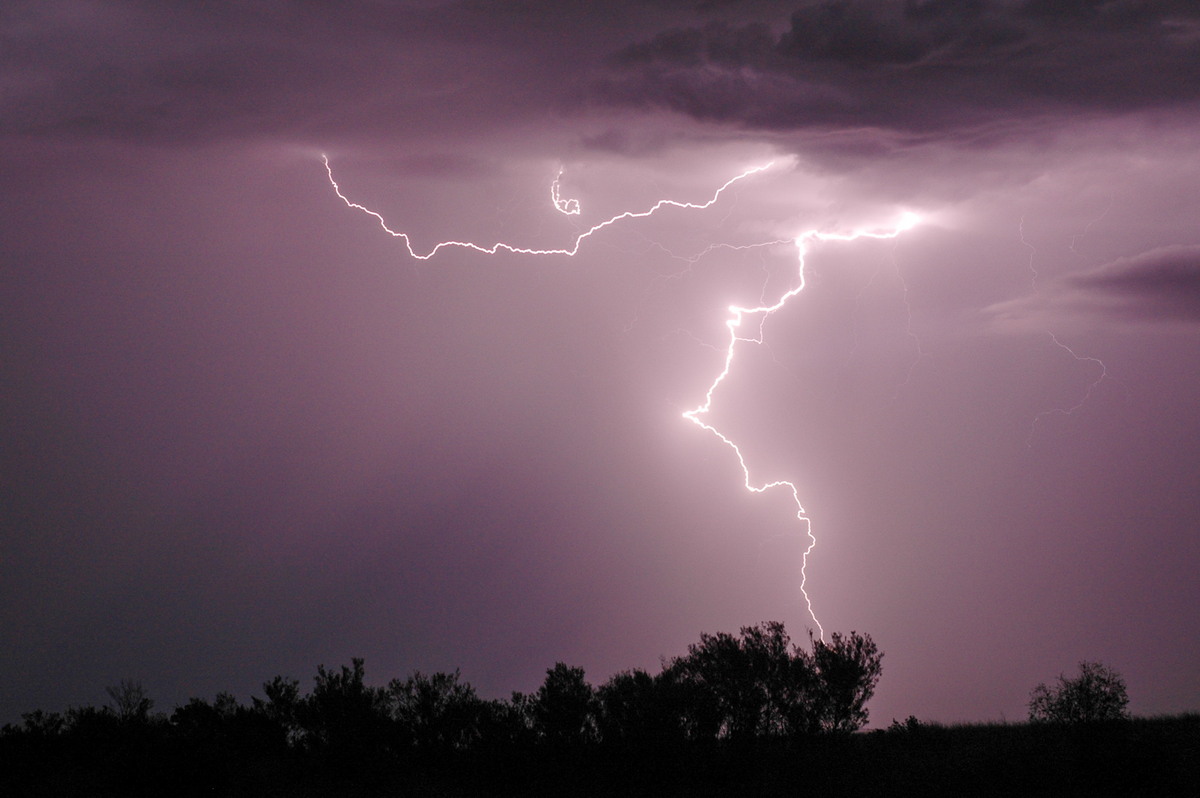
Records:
x=738, y=314
x=1033, y=274
x=1069, y=411
x=568, y=207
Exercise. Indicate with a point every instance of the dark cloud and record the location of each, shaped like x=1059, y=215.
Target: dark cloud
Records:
x=1163, y=283
x=1159, y=286
x=185, y=72
x=716, y=43
x=172, y=72
x=918, y=66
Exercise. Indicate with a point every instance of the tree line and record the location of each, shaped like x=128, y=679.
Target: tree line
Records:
x=726, y=691
x=746, y=713
x=726, y=687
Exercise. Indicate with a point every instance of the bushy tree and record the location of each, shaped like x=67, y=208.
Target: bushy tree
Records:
x=638, y=709
x=758, y=685
x=1097, y=694
x=222, y=737
x=564, y=707
x=439, y=712
x=739, y=686
x=281, y=707
x=505, y=725
x=846, y=670
x=343, y=717
x=198, y=719
x=39, y=724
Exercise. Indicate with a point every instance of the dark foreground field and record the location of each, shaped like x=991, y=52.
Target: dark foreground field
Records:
x=1150, y=757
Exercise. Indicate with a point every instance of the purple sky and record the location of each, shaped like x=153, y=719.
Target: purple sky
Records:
x=243, y=433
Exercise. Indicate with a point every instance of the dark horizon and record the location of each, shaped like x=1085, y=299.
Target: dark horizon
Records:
x=244, y=433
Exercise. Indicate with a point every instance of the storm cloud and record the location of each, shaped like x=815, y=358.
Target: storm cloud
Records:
x=1160, y=286
x=950, y=69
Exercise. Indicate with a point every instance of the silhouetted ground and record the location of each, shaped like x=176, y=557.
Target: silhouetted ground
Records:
x=1139, y=757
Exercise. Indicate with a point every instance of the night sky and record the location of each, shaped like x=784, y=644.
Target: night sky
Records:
x=243, y=432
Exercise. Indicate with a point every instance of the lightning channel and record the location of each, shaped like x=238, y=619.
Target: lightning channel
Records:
x=1033, y=274
x=1069, y=411
x=568, y=207
x=739, y=315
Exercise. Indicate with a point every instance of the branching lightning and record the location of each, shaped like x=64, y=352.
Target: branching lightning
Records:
x=739, y=314
x=734, y=324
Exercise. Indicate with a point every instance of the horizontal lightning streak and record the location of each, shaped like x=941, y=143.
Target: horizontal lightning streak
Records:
x=568, y=207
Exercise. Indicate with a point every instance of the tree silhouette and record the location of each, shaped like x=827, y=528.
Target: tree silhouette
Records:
x=1097, y=694
x=729, y=699
x=757, y=685
x=41, y=725
x=343, y=718
x=744, y=714
x=198, y=720
x=436, y=713
x=847, y=668
x=564, y=707
x=732, y=680
x=281, y=707
x=508, y=724
x=129, y=701
x=636, y=709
